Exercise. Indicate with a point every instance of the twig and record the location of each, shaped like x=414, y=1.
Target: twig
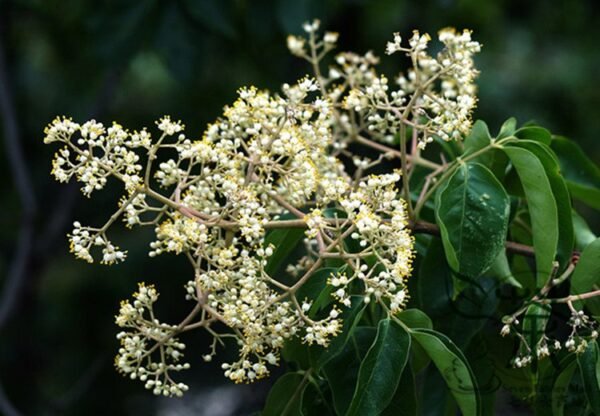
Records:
x=396, y=153
x=573, y=298
x=423, y=227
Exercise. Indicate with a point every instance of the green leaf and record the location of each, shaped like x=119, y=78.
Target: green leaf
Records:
x=478, y=139
x=520, y=382
x=583, y=234
x=586, y=276
x=342, y=370
x=350, y=318
x=552, y=385
x=404, y=402
x=460, y=319
x=542, y=208
x=450, y=148
x=485, y=373
x=561, y=388
x=381, y=370
x=507, y=129
x=295, y=351
x=415, y=318
x=285, y=241
x=492, y=158
x=500, y=270
x=285, y=397
x=524, y=272
x=470, y=312
x=461, y=283
x=472, y=211
x=315, y=356
x=314, y=402
x=439, y=401
x=566, y=238
x=536, y=133
x=434, y=282
x=588, y=362
x=317, y=290
x=581, y=174
x=453, y=367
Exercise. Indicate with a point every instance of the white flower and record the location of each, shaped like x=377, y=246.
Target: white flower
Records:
x=296, y=45
x=394, y=46
x=330, y=37
x=311, y=27
x=169, y=127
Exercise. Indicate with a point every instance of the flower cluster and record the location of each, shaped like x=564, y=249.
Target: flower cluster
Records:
x=146, y=338
x=272, y=161
x=83, y=239
x=436, y=95
x=379, y=218
x=442, y=88
x=97, y=154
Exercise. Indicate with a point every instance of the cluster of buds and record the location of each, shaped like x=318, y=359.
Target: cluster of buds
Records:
x=583, y=331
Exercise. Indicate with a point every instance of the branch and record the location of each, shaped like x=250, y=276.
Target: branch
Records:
x=423, y=227
x=573, y=298
x=396, y=153
x=417, y=227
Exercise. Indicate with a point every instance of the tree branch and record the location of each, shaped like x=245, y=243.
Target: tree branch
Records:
x=417, y=227
x=423, y=227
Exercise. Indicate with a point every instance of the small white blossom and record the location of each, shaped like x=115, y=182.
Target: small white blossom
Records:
x=311, y=27
x=169, y=127
x=296, y=45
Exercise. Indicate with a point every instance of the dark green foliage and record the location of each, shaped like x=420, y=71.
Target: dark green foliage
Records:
x=472, y=212
x=381, y=369
x=285, y=397
x=585, y=277
x=451, y=335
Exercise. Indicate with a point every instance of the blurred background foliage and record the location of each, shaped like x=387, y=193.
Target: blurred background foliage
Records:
x=134, y=61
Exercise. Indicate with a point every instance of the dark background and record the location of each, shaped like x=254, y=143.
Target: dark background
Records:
x=134, y=61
